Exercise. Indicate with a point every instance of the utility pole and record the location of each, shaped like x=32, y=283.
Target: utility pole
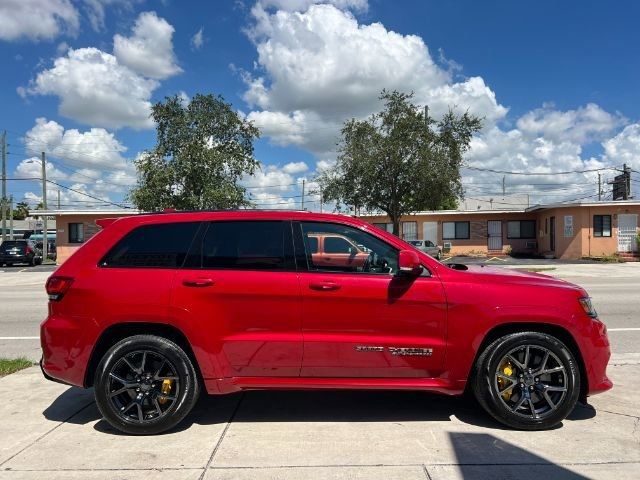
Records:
x=321, y=201
x=599, y=187
x=58, y=199
x=426, y=115
x=45, y=242
x=302, y=200
x=4, y=185
x=503, y=186
x=11, y=217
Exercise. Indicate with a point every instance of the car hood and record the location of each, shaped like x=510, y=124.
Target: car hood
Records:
x=511, y=275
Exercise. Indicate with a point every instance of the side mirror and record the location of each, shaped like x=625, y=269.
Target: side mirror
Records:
x=409, y=263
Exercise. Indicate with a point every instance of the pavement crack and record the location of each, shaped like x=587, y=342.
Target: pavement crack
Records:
x=46, y=433
x=219, y=442
x=426, y=472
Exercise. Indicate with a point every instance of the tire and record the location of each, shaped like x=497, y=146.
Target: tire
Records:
x=500, y=394
x=438, y=255
x=132, y=411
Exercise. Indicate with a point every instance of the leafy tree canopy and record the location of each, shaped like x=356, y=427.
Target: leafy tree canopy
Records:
x=203, y=148
x=400, y=160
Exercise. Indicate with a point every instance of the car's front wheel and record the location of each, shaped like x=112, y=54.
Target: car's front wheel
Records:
x=527, y=380
x=145, y=385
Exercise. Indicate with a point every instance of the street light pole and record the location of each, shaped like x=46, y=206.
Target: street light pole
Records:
x=45, y=242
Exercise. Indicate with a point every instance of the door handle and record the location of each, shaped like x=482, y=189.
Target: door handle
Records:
x=197, y=282
x=324, y=285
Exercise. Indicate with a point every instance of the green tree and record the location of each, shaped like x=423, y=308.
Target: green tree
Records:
x=21, y=211
x=202, y=149
x=399, y=160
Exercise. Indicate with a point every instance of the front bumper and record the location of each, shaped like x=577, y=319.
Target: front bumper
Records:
x=596, y=353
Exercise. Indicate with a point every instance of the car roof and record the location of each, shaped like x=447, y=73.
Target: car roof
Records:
x=205, y=215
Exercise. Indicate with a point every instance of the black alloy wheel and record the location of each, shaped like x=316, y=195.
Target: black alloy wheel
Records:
x=527, y=380
x=145, y=385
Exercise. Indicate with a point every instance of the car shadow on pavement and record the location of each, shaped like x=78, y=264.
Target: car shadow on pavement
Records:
x=483, y=456
x=76, y=406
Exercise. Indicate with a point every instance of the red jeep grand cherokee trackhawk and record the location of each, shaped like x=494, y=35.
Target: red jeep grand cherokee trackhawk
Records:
x=155, y=307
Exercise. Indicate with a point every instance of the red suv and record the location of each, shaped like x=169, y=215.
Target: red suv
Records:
x=156, y=307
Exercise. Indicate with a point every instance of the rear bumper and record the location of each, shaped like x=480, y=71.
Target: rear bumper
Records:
x=65, y=349
x=15, y=259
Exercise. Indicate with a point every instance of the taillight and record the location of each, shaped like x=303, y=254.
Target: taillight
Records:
x=28, y=250
x=57, y=286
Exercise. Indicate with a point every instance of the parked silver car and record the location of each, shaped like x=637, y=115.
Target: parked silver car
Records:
x=428, y=247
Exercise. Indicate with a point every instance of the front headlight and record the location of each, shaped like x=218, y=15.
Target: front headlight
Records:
x=587, y=306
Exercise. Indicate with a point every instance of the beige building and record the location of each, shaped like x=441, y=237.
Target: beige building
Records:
x=74, y=227
x=564, y=230
x=567, y=231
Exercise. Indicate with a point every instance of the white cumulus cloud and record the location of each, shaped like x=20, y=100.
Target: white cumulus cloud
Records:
x=149, y=50
x=319, y=66
x=95, y=89
x=37, y=19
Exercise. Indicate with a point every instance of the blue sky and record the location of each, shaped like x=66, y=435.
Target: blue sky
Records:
x=556, y=82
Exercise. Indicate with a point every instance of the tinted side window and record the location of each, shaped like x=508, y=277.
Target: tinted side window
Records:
x=336, y=245
x=313, y=244
x=153, y=246
x=364, y=252
x=259, y=245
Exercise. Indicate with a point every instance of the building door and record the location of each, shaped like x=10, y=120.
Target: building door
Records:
x=430, y=231
x=552, y=234
x=494, y=229
x=627, y=226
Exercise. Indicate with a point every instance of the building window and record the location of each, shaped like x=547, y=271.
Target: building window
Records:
x=409, y=231
x=76, y=233
x=602, y=225
x=455, y=230
x=568, y=225
x=387, y=227
x=521, y=229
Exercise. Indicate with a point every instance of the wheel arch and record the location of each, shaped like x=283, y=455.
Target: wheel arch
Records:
x=114, y=333
x=557, y=331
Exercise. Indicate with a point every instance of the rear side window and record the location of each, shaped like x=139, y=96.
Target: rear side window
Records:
x=245, y=245
x=162, y=245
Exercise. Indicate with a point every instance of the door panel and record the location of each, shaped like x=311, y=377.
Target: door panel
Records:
x=369, y=322
x=252, y=319
x=240, y=288
x=349, y=329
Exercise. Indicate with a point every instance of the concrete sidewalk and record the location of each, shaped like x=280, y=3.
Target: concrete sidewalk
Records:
x=55, y=432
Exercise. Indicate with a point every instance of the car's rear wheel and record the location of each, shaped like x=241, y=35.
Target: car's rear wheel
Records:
x=145, y=385
x=527, y=380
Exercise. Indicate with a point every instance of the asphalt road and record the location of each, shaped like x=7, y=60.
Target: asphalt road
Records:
x=613, y=287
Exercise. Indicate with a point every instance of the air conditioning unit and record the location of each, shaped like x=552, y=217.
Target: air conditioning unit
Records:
x=532, y=244
x=446, y=246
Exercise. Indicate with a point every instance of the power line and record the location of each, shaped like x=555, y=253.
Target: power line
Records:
x=504, y=172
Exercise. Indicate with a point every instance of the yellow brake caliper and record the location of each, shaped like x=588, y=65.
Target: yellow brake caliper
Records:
x=165, y=389
x=507, y=369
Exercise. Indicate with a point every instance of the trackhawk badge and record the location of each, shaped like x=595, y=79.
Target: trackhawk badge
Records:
x=397, y=351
